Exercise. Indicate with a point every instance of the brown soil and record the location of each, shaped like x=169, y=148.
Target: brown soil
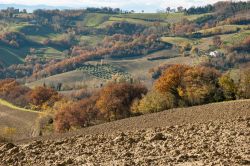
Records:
x=213, y=134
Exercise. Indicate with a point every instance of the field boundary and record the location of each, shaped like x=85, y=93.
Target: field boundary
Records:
x=10, y=105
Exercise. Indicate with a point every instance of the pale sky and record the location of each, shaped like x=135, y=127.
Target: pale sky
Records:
x=147, y=5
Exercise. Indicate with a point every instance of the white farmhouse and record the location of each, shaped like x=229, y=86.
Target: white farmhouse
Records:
x=215, y=54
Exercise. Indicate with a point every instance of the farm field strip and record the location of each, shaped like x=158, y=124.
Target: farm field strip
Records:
x=7, y=104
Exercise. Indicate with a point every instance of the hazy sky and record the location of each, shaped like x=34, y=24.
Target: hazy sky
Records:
x=147, y=5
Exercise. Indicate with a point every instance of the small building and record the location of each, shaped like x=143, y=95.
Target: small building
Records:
x=215, y=54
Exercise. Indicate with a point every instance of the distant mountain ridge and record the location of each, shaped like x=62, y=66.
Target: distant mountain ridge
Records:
x=31, y=8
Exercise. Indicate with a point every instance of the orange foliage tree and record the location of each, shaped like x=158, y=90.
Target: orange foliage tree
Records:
x=171, y=80
x=42, y=96
x=75, y=114
x=116, y=99
x=190, y=85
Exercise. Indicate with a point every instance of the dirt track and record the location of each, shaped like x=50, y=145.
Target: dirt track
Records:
x=214, y=134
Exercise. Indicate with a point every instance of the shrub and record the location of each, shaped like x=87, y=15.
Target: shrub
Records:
x=244, y=85
x=228, y=86
x=217, y=41
x=153, y=102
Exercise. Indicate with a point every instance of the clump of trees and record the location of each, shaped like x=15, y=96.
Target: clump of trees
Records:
x=74, y=114
x=116, y=99
x=107, y=10
x=181, y=85
x=112, y=102
x=13, y=92
x=190, y=85
x=42, y=97
x=184, y=27
x=200, y=10
x=20, y=95
x=124, y=28
x=243, y=85
x=153, y=102
x=177, y=86
x=225, y=62
x=241, y=20
x=13, y=39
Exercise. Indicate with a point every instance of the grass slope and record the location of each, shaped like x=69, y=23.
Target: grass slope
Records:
x=17, y=123
x=8, y=104
x=8, y=57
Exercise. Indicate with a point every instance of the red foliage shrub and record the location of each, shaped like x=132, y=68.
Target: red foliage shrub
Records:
x=43, y=95
x=13, y=92
x=76, y=114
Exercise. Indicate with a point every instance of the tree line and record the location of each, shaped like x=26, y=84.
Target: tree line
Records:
x=177, y=86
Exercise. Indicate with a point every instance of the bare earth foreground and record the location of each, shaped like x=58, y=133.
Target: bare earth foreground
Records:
x=213, y=134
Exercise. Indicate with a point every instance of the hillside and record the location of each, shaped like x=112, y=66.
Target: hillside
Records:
x=17, y=123
x=60, y=42
x=108, y=86
x=202, y=135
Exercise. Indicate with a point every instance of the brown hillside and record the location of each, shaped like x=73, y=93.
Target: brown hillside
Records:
x=213, y=134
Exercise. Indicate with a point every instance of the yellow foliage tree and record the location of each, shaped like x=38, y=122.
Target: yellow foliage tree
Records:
x=229, y=87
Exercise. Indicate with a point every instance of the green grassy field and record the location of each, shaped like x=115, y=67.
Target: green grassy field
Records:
x=90, y=40
x=224, y=29
x=131, y=20
x=171, y=17
x=93, y=19
x=9, y=57
x=16, y=56
x=233, y=39
x=177, y=40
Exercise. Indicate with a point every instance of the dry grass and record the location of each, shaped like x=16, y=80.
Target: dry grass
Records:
x=16, y=123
